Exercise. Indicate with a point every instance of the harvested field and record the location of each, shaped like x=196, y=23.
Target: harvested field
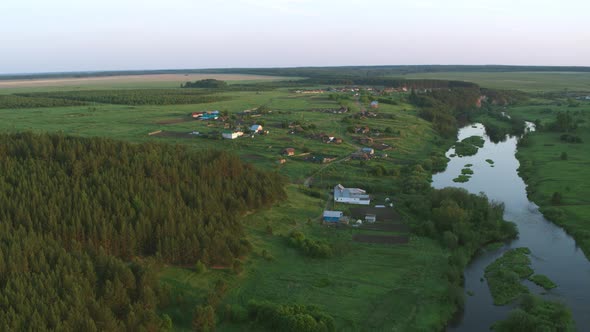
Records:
x=381, y=239
x=106, y=80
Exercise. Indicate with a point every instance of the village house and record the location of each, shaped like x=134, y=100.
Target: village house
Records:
x=351, y=195
x=362, y=130
x=337, y=140
x=196, y=115
x=281, y=161
x=366, y=140
x=213, y=115
x=288, y=152
x=368, y=151
x=332, y=216
x=229, y=134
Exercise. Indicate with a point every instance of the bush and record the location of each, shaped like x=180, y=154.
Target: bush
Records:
x=311, y=248
x=200, y=267
x=557, y=198
x=290, y=318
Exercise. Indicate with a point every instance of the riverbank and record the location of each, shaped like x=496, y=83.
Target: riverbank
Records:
x=560, y=187
x=553, y=252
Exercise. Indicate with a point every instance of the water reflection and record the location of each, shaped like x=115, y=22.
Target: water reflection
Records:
x=554, y=253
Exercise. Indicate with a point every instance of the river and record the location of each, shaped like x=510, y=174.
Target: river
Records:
x=553, y=252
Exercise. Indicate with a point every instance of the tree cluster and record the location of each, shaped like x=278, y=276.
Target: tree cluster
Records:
x=446, y=108
x=205, y=84
x=309, y=247
x=295, y=318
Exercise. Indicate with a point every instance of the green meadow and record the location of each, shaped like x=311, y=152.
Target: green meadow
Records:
x=524, y=81
x=550, y=165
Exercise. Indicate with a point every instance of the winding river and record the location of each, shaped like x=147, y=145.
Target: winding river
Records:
x=554, y=252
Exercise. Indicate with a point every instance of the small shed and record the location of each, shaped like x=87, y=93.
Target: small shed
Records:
x=374, y=104
x=332, y=216
x=370, y=218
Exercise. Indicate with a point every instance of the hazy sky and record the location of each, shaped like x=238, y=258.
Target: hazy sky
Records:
x=70, y=35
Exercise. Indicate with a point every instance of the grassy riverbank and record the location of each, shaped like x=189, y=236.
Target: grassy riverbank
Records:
x=556, y=171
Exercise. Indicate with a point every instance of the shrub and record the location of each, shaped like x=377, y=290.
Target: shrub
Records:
x=556, y=199
x=200, y=267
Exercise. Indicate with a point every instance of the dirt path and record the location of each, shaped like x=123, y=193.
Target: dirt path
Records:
x=308, y=181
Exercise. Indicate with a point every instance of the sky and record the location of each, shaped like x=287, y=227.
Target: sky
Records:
x=90, y=35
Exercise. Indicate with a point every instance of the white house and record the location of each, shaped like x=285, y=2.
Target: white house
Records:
x=351, y=195
x=231, y=134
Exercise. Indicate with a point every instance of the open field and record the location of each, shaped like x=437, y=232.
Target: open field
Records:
x=127, y=81
x=525, y=81
x=546, y=172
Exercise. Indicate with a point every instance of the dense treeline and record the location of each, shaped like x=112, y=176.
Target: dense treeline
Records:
x=460, y=221
x=390, y=82
x=206, y=84
x=133, y=97
x=44, y=287
x=75, y=211
x=130, y=200
x=446, y=108
x=13, y=101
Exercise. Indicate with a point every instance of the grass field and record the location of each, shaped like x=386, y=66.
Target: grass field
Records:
x=524, y=81
x=124, y=82
x=546, y=172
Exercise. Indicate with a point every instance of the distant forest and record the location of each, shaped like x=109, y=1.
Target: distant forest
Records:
x=76, y=211
x=312, y=72
x=126, y=97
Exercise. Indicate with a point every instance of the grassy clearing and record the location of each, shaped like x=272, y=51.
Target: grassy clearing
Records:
x=505, y=273
x=359, y=286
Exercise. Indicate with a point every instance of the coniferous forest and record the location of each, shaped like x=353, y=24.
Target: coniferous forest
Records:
x=75, y=211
